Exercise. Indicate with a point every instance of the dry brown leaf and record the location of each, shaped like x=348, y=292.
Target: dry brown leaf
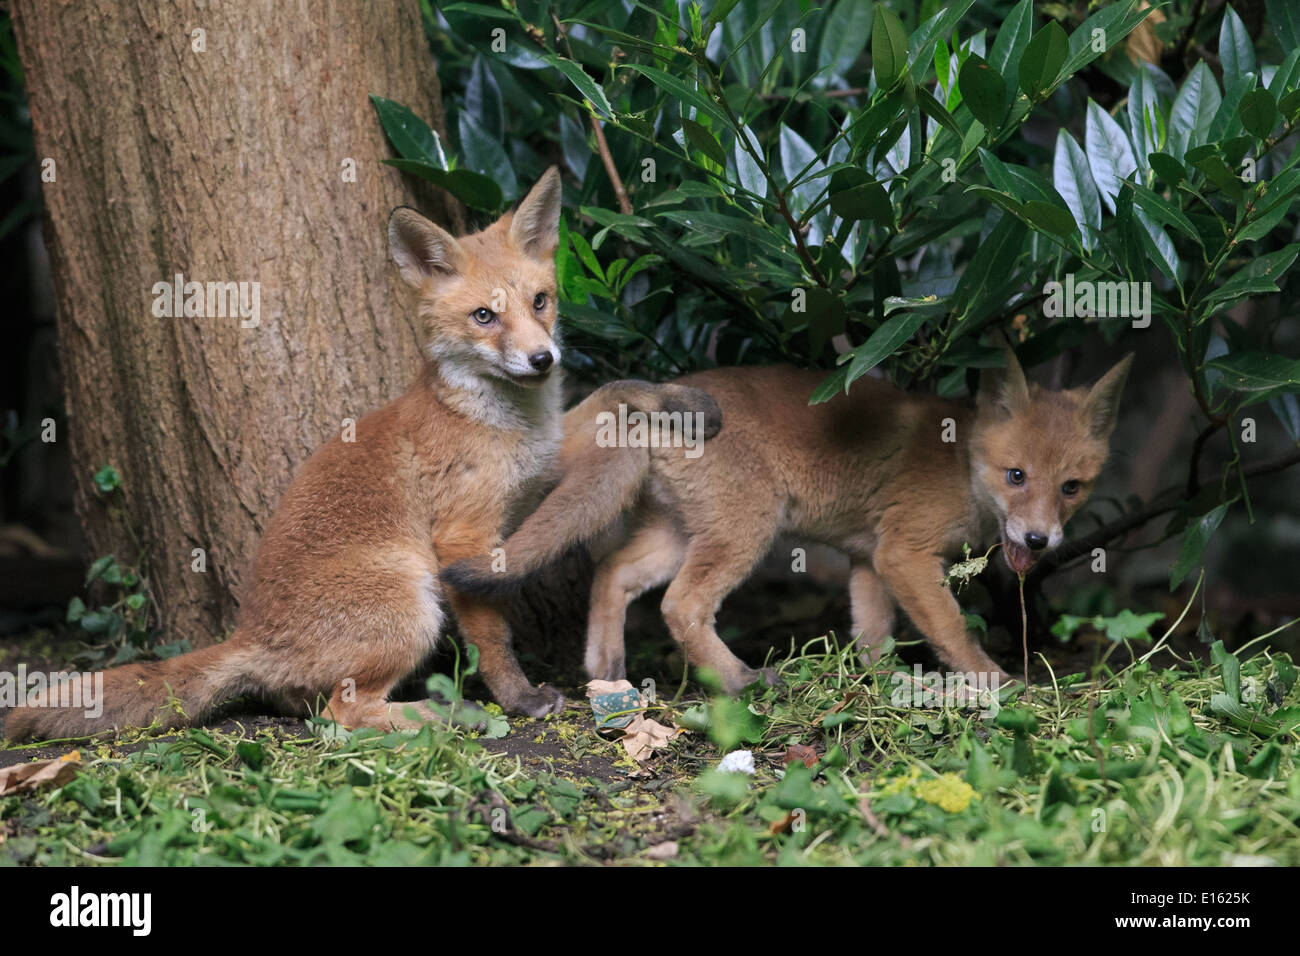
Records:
x=801, y=752
x=26, y=777
x=644, y=736
x=783, y=825
x=1143, y=44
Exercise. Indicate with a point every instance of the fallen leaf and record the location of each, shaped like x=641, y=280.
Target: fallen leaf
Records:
x=26, y=777
x=644, y=736
x=800, y=752
x=781, y=826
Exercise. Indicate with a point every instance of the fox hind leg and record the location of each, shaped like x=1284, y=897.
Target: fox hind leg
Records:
x=650, y=557
x=715, y=563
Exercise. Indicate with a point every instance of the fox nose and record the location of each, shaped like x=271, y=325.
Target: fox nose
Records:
x=1035, y=541
x=541, y=360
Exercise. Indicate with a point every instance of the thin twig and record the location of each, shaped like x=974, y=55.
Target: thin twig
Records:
x=1024, y=630
x=602, y=146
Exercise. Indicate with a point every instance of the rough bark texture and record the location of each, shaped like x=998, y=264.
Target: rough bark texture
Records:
x=224, y=165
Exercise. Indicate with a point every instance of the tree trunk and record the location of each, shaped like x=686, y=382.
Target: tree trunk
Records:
x=214, y=141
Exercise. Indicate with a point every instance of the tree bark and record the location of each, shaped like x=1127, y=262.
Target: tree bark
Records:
x=222, y=164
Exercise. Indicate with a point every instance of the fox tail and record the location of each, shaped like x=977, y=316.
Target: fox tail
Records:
x=176, y=692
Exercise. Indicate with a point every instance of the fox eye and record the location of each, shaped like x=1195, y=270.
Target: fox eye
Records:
x=539, y=301
x=1015, y=476
x=1070, y=488
x=483, y=316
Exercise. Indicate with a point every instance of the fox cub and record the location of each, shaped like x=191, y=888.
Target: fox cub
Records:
x=344, y=599
x=868, y=473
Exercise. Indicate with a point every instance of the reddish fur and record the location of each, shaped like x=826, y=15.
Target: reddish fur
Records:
x=867, y=473
x=344, y=599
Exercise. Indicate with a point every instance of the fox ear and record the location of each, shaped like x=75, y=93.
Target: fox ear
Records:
x=1007, y=390
x=421, y=248
x=535, y=228
x=1101, y=407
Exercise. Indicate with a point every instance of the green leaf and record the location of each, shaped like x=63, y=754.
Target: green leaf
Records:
x=410, y=135
x=1167, y=168
x=1284, y=18
x=680, y=91
x=1073, y=180
x=855, y=195
x=107, y=479
x=1258, y=113
x=830, y=386
x=251, y=753
x=930, y=33
x=1193, y=111
x=1195, y=538
x=1112, y=22
x=1236, y=49
x=1258, y=278
x=1229, y=667
x=1164, y=211
x=936, y=111
x=1013, y=36
x=1145, y=116
x=882, y=343
x=483, y=98
x=1110, y=157
x=98, y=567
x=704, y=141
x=76, y=610
x=1127, y=626
x=983, y=90
x=1050, y=218
x=483, y=154
x=1257, y=371
x=1042, y=60
x=748, y=170
x=584, y=84
x=888, y=48
x=992, y=266
x=473, y=189
x=844, y=36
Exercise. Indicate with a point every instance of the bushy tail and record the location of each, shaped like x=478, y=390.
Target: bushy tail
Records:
x=176, y=692
x=597, y=485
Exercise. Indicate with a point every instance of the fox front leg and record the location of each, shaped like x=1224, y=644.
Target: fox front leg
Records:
x=916, y=581
x=482, y=625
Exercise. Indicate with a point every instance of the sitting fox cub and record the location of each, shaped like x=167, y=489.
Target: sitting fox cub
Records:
x=868, y=473
x=344, y=598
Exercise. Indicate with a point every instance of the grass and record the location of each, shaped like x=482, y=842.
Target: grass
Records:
x=1191, y=764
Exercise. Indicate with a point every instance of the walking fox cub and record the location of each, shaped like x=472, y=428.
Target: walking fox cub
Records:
x=344, y=599
x=869, y=473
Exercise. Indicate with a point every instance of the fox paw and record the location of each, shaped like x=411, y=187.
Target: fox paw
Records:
x=538, y=702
